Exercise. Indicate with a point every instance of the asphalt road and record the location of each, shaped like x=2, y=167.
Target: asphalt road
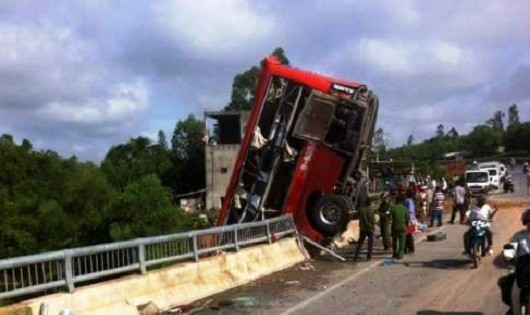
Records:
x=437, y=279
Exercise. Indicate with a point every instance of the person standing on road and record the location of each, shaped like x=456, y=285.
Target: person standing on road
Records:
x=366, y=225
x=410, y=203
x=444, y=185
x=423, y=204
x=430, y=195
x=438, y=201
x=459, y=203
x=400, y=219
x=385, y=220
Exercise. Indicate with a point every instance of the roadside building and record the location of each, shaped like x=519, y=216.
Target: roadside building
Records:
x=221, y=152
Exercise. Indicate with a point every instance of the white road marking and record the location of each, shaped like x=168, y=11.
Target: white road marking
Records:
x=341, y=283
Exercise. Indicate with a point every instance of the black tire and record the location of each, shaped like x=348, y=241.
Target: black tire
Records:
x=475, y=255
x=330, y=214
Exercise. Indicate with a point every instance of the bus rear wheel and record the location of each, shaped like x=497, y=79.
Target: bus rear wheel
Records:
x=329, y=215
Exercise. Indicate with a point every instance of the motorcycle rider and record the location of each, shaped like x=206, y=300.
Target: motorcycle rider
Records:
x=518, y=252
x=508, y=182
x=483, y=212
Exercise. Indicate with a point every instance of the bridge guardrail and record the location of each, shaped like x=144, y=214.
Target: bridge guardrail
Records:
x=66, y=268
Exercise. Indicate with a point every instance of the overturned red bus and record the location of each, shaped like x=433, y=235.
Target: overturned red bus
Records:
x=303, y=150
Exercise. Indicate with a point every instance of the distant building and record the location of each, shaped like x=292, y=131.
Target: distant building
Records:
x=221, y=152
x=192, y=201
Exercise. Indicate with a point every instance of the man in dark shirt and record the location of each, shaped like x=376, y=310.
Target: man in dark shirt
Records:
x=385, y=220
x=366, y=224
x=400, y=220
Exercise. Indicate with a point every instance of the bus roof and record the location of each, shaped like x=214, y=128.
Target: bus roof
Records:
x=311, y=79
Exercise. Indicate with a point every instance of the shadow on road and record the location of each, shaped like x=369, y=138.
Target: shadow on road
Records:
x=430, y=312
x=439, y=264
x=500, y=263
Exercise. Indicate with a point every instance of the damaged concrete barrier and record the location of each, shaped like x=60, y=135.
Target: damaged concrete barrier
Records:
x=172, y=286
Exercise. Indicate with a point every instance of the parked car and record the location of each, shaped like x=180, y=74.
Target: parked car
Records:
x=303, y=151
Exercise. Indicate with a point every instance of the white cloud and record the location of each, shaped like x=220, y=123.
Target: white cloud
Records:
x=127, y=102
x=386, y=56
x=211, y=26
x=447, y=53
x=403, y=11
x=443, y=62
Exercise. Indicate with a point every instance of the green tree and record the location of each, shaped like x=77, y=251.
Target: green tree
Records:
x=483, y=140
x=188, y=138
x=244, y=85
x=496, y=122
x=410, y=140
x=125, y=163
x=513, y=115
x=144, y=209
x=452, y=134
x=162, y=140
x=47, y=202
x=279, y=53
x=517, y=137
x=188, y=153
x=440, y=131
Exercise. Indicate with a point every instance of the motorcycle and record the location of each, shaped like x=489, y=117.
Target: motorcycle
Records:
x=509, y=185
x=476, y=239
x=521, y=283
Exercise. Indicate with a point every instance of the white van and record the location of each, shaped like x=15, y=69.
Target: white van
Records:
x=496, y=171
x=478, y=181
x=494, y=177
x=493, y=164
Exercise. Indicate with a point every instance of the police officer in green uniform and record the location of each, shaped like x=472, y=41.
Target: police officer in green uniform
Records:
x=400, y=219
x=385, y=220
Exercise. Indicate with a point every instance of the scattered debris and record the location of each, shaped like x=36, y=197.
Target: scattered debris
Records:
x=245, y=301
x=438, y=236
x=306, y=266
x=148, y=309
x=185, y=309
x=422, y=227
x=240, y=301
x=322, y=248
x=388, y=262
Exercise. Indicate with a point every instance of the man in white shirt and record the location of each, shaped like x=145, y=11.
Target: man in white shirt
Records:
x=486, y=214
x=459, y=203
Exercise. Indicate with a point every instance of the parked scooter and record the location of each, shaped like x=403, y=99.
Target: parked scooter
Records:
x=521, y=285
x=476, y=241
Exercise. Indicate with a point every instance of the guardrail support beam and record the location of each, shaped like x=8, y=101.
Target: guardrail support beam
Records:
x=68, y=271
x=269, y=238
x=141, y=258
x=195, y=248
x=236, y=242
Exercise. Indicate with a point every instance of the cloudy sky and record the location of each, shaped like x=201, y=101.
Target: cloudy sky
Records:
x=80, y=76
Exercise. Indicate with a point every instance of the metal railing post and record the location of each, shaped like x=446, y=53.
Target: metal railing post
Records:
x=141, y=258
x=236, y=242
x=195, y=248
x=68, y=271
x=269, y=238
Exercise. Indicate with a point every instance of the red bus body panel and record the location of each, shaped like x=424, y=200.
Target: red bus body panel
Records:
x=324, y=164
